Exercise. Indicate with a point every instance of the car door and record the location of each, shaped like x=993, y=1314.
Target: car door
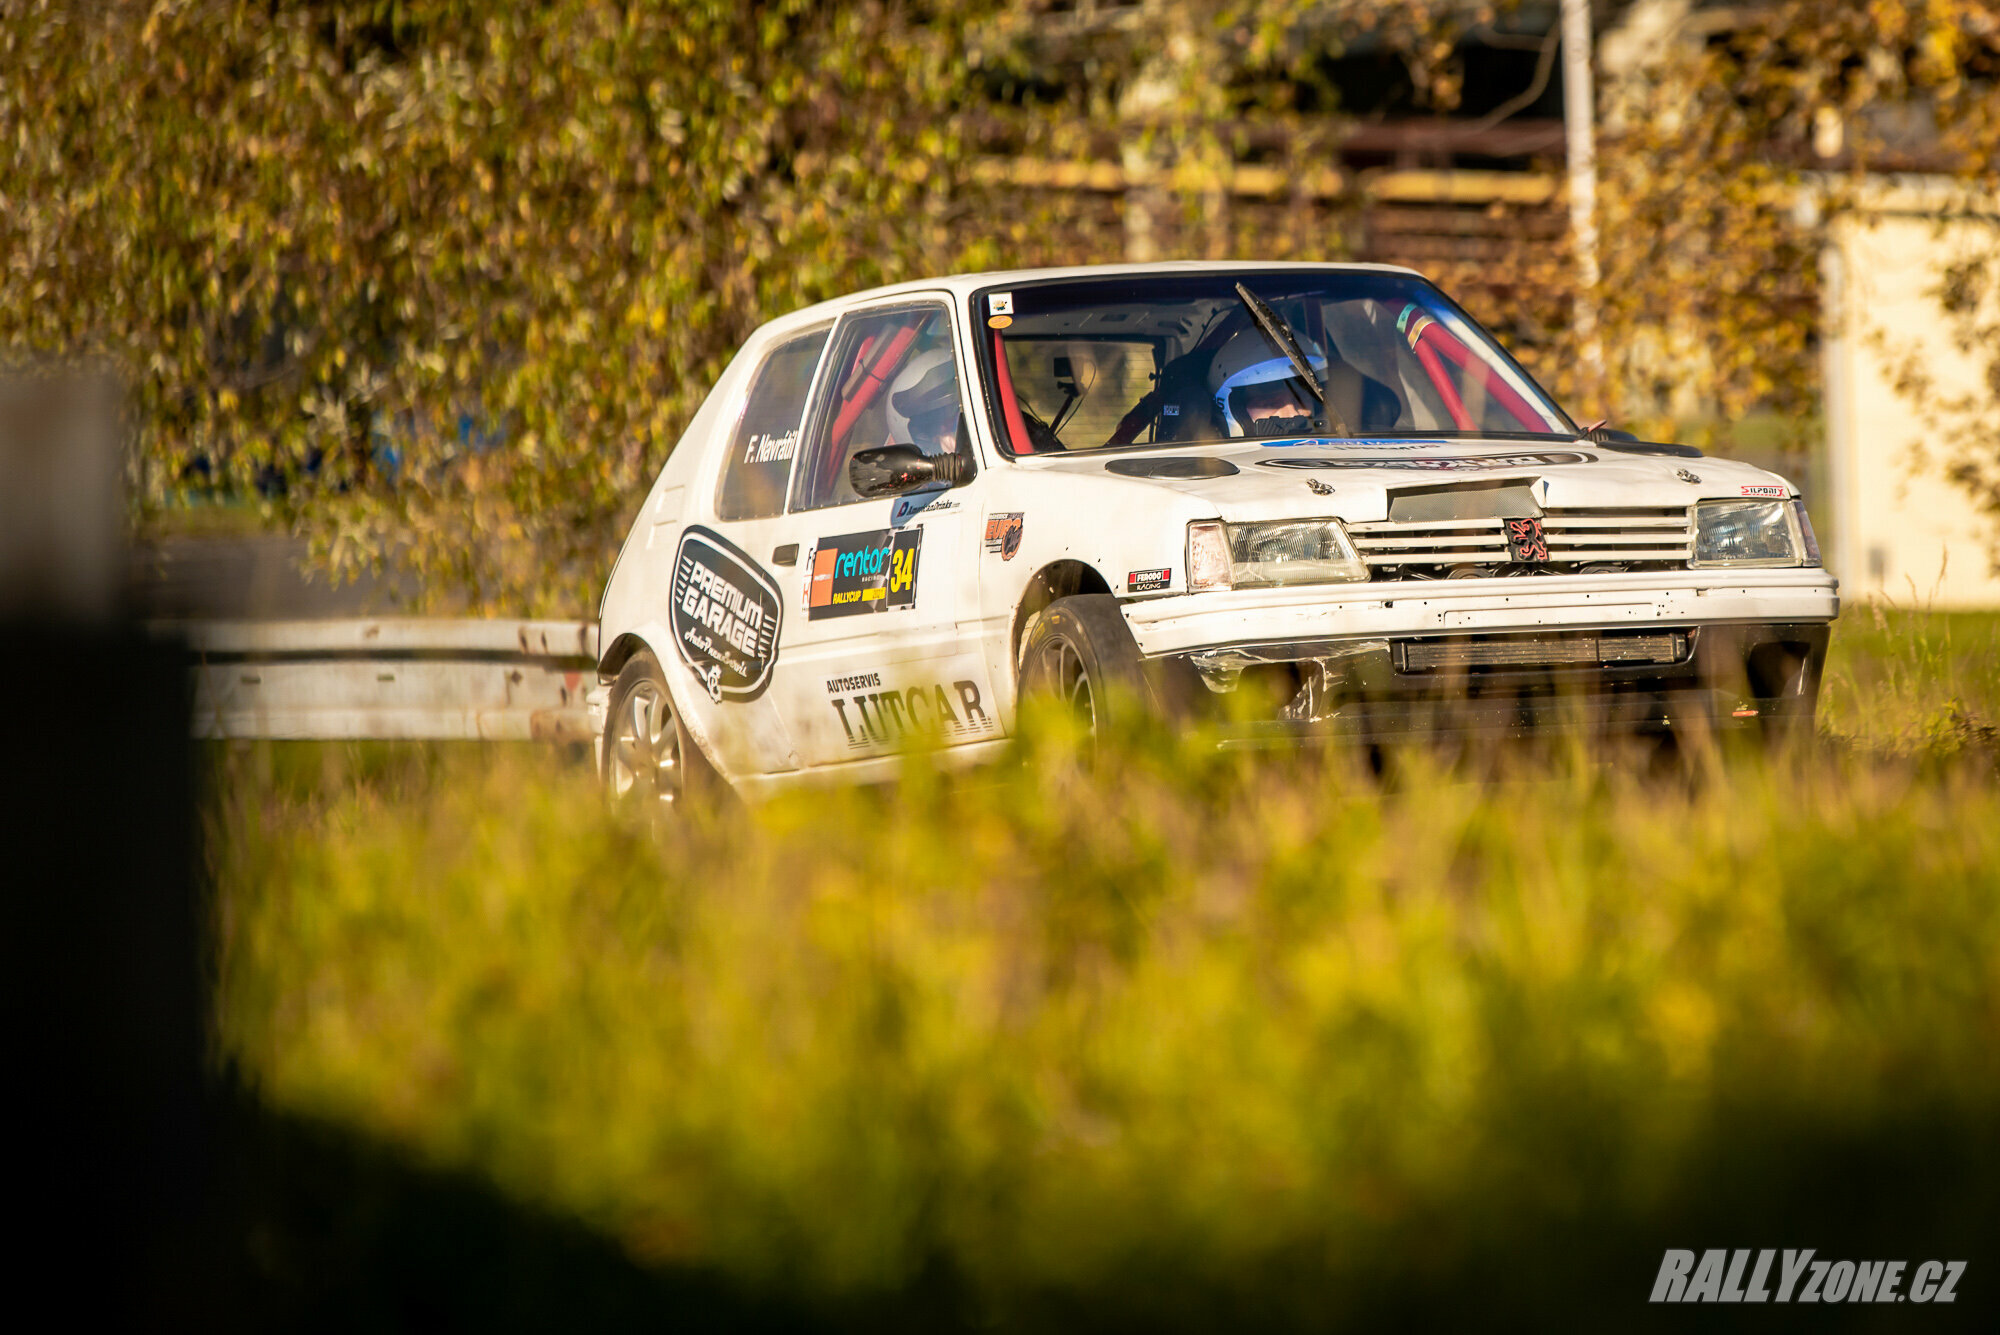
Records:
x=729, y=582
x=872, y=659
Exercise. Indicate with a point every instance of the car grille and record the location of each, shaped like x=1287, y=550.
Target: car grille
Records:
x=1621, y=539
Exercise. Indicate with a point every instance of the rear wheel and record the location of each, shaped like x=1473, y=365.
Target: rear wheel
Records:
x=650, y=762
x=1080, y=652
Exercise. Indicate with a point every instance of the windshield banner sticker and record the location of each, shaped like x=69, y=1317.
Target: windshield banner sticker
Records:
x=724, y=616
x=863, y=572
x=1458, y=463
x=926, y=712
x=1355, y=443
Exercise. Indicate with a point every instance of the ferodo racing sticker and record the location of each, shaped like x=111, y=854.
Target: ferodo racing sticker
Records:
x=724, y=616
x=1456, y=463
x=863, y=572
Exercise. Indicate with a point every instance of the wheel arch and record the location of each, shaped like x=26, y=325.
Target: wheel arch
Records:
x=618, y=653
x=1057, y=579
x=649, y=637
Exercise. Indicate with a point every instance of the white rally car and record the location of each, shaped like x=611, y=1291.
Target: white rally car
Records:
x=1320, y=494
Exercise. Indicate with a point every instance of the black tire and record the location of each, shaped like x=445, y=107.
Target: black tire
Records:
x=650, y=761
x=1080, y=651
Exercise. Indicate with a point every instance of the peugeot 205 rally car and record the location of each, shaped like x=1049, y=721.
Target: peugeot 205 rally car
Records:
x=1325, y=485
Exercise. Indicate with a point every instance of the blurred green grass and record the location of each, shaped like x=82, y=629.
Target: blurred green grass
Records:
x=1913, y=682
x=1189, y=1037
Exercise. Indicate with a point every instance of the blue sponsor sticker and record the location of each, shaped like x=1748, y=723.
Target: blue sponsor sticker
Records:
x=1353, y=442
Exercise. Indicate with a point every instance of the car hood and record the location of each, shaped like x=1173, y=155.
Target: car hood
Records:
x=1356, y=479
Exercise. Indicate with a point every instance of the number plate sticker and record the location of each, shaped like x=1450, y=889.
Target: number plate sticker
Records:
x=863, y=572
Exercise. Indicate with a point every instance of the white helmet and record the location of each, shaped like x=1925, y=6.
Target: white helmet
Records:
x=1246, y=372
x=923, y=401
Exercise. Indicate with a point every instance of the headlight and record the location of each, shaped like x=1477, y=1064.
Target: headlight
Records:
x=1258, y=556
x=1806, y=533
x=1746, y=533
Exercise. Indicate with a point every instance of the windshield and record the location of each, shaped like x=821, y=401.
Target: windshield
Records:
x=1142, y=359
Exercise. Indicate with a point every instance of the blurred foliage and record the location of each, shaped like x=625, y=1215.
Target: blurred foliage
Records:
x=1197, y=1037
x=443, y=282
x=448, y=278
x=1722, y=162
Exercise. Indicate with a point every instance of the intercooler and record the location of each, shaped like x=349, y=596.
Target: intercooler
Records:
x=1540, y=651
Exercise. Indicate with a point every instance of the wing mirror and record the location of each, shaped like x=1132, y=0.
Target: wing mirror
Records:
x=895, y=469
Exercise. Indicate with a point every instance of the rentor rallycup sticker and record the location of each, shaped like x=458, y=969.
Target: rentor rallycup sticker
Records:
x=724, y=617
x=863, y=572
x=1456, y=463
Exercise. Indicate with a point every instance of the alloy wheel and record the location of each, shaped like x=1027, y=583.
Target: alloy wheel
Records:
x=643, y=761
x=1069, y=681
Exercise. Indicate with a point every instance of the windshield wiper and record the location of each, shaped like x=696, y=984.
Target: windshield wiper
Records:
x=1287, y=342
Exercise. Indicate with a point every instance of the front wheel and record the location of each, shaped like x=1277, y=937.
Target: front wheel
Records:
x=650, y=762
x=1079, y=651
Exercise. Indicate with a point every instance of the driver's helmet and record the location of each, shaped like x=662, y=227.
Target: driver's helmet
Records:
x=923, y=403
x=1258, y=393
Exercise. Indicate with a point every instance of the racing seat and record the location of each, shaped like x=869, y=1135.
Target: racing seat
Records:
x=1363, y=402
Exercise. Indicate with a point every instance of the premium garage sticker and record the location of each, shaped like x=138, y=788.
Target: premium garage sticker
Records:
x=724, y=616
x=863, y=572
x=1456, y=463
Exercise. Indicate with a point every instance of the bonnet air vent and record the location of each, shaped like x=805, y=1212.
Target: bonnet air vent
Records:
x=1470, y=500
x=1173, y=466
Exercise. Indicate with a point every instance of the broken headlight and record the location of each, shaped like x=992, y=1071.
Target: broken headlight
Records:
x=1260, y=556
x=1745, y=533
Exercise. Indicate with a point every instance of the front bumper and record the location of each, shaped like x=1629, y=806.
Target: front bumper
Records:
x=1185, y=622
x=1501, y=657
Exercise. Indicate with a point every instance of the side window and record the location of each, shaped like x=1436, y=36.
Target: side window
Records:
x=893, y=381
x=758, y=470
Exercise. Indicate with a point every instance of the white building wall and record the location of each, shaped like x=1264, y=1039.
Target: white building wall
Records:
x=1899, y=528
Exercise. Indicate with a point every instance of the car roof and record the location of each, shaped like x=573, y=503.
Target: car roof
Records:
x=965, y=284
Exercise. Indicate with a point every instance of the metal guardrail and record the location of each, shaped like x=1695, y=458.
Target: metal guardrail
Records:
x=391, y=678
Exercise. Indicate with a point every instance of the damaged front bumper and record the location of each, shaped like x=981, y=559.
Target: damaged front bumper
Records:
x=1582, y=654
